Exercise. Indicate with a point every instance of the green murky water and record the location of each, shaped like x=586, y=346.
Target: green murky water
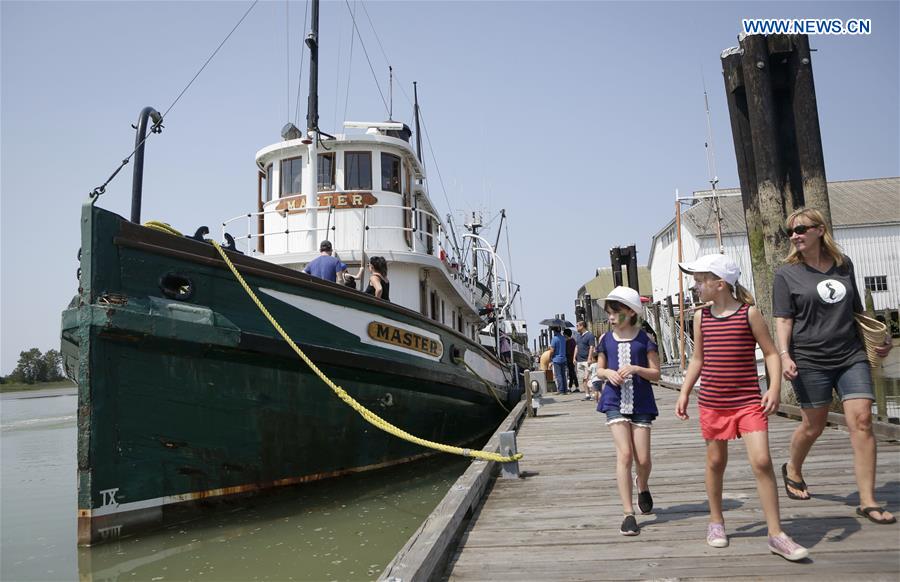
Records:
x=345, y=529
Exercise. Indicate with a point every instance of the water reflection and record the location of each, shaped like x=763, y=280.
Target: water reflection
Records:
x=345, y=529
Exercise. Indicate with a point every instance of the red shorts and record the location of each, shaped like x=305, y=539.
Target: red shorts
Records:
x=725, y=424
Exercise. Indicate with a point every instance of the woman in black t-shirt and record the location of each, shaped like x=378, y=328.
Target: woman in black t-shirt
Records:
x=814, y=299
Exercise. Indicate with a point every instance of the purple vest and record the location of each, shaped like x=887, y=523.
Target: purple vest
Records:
x=635, y=395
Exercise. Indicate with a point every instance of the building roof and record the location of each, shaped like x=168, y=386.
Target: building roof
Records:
x=602, y=283
x=853, y=203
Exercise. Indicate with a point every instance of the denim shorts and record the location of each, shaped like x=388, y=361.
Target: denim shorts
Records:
x=643, y=420
x=813, y=387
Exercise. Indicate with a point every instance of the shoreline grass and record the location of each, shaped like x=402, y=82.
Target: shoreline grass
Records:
x=21, y=387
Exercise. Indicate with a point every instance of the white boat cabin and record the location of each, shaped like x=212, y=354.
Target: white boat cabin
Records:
x=370, y=198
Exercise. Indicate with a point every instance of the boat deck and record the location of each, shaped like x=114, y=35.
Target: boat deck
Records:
x=561, y=522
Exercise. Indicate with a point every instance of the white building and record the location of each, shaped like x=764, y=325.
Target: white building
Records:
x=866, y=219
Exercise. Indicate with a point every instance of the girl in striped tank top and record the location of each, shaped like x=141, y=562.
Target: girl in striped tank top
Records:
x=725, y=336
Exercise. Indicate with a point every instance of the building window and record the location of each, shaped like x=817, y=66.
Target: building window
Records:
x=326, y=171
x=876, y=283
x=668, y=237
x=358, y=171
x=268, y=179
x=291, y=176
x=390, y=173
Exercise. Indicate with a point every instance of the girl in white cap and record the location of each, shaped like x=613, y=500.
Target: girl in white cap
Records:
x=628, y=360
x=725, y=338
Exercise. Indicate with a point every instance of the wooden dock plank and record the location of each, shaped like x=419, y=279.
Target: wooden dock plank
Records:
x=561, y=521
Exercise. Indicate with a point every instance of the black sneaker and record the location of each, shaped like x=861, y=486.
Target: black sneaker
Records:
x=629, y=526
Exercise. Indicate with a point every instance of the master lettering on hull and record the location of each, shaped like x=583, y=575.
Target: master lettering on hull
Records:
x=389, y=334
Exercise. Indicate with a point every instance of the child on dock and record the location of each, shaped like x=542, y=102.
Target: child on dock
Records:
x=725, y=338
x=628, y=360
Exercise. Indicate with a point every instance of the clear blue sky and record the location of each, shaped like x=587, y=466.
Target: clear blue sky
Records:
x=579, y=118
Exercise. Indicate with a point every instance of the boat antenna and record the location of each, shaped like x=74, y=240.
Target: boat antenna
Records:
x=390, y=93
x=418, y=132
x=312, y=42
x=711, y=168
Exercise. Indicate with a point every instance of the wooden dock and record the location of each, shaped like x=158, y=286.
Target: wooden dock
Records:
x=561, y=521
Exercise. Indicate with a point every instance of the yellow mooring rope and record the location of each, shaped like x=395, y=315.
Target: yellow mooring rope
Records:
x=368, y=415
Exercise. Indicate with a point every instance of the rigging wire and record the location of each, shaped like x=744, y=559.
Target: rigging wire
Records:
x=300, y=75
x=366, y=52
x=99, y=190
x=287, y=57
x=349, y=65
x=337, y=77
x=436, y=166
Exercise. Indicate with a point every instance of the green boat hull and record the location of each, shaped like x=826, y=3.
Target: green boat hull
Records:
x=187, y=393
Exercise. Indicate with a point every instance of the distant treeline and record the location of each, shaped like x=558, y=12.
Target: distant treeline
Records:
x=34, y=367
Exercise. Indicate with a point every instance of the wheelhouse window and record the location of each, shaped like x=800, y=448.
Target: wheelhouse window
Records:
x=268, y=179
x=390, y=173
x=358, y=171
x=291, y=176
x=326, y=171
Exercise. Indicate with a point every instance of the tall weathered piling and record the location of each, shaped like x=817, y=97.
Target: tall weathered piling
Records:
x=777, y=144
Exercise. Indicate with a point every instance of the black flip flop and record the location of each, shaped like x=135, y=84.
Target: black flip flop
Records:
x=867, y=513
x=799, y=485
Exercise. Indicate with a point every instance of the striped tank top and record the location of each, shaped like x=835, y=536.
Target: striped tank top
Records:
x=728, y=378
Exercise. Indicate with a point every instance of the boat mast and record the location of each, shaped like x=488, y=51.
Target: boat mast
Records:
x=311, y=186
x=416, y=112
x=680, y=282
x=713, y=177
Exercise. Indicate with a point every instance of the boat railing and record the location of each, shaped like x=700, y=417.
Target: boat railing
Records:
x=435, y=243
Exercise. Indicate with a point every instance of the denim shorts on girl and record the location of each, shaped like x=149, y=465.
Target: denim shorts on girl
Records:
x=725, y=424
x=813, y=387
x=643, y=420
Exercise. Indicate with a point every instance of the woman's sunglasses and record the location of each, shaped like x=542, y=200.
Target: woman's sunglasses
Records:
x=801, y=229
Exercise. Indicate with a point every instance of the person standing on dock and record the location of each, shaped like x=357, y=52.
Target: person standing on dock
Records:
x=571, y=347
x=584, y=343
x=725, y=338
x=814, y=300
x=628, y=360
x=558, y=359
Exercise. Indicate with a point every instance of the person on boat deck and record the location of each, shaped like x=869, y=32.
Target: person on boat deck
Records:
x=379, y=286
x=505, y=347
x=558, y=359
x=325, y=266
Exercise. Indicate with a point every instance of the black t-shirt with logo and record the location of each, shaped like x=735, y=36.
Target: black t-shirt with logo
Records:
x=822, y=306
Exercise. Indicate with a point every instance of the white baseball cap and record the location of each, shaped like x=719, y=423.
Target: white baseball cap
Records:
x=627, y=297
x=719, y=265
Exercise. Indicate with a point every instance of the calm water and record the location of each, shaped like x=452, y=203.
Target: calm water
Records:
x=346, y=529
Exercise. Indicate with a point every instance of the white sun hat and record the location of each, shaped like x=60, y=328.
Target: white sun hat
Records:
x=719, y=265
x=627, y=297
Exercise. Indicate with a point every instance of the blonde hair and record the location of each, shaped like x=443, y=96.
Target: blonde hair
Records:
x=828, y=245
x=737, y=290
